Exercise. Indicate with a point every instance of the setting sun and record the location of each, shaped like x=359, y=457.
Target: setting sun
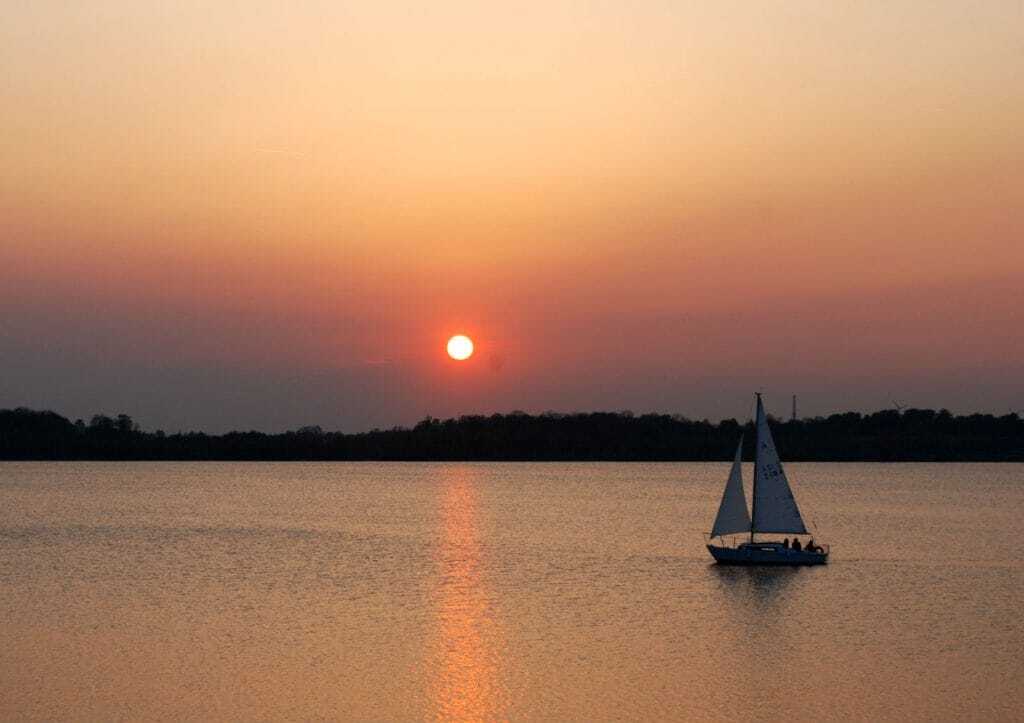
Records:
x=460, y=347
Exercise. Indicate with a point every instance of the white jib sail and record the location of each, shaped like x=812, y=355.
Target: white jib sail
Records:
x=775, y=508
x=732, y=512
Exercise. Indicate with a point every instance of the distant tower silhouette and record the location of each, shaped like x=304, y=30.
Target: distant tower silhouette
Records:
x=794, y=407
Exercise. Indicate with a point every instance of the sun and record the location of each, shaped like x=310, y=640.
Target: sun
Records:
x=460, y=347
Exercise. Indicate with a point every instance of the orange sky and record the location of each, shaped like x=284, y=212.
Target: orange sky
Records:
x=263, y=216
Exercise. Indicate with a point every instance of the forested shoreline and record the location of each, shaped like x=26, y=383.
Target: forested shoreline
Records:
x=884, y=436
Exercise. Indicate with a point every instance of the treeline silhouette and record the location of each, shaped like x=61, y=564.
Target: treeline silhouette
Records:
x=885, y=436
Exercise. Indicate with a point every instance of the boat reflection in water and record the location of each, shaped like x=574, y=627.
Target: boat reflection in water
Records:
x=467, y=676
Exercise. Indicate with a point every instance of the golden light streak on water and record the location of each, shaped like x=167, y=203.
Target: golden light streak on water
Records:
x=468, y=682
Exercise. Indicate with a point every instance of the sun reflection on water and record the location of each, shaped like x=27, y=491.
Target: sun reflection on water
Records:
x=467, y=676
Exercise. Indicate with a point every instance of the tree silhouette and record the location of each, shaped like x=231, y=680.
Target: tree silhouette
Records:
x=886, y=435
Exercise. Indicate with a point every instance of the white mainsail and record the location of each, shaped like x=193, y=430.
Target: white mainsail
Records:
x=775, y=508
x=732, y=512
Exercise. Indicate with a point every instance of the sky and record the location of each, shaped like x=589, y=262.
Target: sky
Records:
x=265, y=215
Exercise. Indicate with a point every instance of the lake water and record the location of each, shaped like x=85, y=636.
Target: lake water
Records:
x=501, y=591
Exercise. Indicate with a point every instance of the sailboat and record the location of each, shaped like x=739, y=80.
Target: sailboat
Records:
x=774, y=511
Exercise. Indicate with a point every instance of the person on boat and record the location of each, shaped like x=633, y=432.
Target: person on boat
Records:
x=810, y=545
x=796, y=544
x=785, y=543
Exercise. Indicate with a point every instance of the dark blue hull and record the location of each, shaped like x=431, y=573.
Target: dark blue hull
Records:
x=766, y=553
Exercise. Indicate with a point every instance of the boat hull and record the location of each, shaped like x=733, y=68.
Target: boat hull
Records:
x=765, y=554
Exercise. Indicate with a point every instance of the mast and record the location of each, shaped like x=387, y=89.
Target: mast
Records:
x=775, y=508
x=757, y=445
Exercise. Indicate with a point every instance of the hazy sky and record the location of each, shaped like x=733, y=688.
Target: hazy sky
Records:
x=264, y=215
